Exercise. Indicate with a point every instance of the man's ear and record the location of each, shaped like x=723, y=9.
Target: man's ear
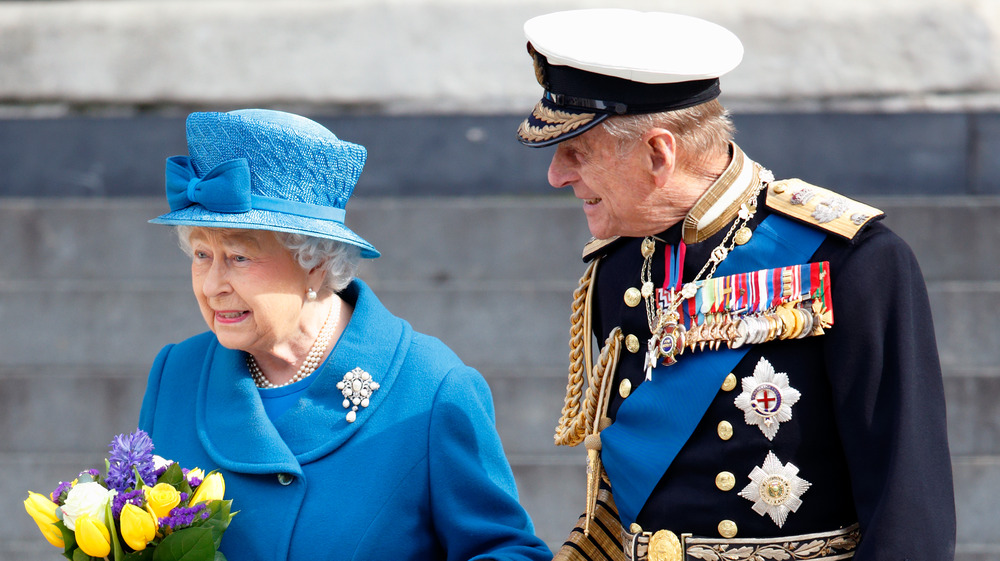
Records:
x=662, y=152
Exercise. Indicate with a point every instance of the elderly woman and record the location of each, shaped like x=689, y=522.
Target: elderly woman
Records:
x=341, y=433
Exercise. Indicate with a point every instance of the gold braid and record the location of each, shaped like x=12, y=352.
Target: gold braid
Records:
x=574, y=423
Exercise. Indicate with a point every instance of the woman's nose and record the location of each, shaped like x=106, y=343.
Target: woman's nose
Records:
x=216, y=279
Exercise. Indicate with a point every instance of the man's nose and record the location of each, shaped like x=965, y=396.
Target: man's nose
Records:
x=561, y=172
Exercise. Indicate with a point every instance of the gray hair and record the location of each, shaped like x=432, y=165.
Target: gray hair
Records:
x=340, y=260
x=701, y=130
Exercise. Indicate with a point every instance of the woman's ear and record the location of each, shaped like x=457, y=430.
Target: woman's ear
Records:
x=316, y=277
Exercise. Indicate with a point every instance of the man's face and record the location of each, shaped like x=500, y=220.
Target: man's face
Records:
x=618, y=191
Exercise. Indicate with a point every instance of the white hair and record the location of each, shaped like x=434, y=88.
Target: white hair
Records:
x=340, y=260
x=700, y=130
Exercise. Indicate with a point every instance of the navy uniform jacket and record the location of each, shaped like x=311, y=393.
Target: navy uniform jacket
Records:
x=419, y=475
x=868, y=431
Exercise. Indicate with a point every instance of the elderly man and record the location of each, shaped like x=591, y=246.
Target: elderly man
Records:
x=768, y=385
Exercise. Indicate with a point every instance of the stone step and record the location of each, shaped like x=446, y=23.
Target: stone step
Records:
x=527, y=403
x=431, y=241
x=854, y=153
x=552, y=492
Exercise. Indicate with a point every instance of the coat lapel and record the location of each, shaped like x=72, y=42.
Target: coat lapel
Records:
x=235, y=429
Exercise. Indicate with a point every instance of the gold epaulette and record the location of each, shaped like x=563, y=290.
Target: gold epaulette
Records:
x=820, y=207
x=594, y=247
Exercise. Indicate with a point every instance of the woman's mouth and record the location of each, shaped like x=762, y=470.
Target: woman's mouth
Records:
x=230, y=316
x=591, y=201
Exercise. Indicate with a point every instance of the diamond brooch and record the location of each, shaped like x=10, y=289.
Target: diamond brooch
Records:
x=357, y=387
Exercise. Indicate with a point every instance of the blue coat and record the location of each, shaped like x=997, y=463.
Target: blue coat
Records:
x=420, y=474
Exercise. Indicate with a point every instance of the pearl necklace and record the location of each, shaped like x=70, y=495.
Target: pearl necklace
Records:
x=312, y=361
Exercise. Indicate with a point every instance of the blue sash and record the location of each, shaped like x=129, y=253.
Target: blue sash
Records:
x=658, y=418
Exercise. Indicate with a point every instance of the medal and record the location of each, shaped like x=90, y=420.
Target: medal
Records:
x=767, y=398
x=775, y=489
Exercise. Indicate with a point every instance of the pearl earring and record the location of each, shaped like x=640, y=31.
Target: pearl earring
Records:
x=311, y=294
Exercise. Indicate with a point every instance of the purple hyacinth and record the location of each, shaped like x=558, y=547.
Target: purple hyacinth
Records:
x=184, y=516
x=130, y=453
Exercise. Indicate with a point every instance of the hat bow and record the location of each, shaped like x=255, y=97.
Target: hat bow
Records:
x=225, y=188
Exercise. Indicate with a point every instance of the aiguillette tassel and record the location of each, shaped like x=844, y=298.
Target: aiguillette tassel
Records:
x=593, y=444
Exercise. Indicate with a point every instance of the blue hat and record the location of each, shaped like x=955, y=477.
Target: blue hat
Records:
x=597, y=63
x=258, y=169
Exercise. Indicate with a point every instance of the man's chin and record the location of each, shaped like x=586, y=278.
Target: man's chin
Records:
x=600, y=231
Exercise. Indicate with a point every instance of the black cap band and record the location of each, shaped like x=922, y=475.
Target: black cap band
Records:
x=579, y=89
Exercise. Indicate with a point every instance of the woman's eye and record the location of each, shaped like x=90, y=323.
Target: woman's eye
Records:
x=200, y=254
x=240, y=258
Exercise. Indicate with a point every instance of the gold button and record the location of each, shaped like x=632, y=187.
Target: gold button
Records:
x=635, y=528
x=778, y=188
x=743, y=235
x=625, y=388
x=730, y=383
x=632, y=343
x=632, y=297
x=725, y=430
x=727, y=529
x=725, y=481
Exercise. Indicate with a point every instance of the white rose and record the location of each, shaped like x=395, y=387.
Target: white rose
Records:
x=160, y=462
x=86, y=498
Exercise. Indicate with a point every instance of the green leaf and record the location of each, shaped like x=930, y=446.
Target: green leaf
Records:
x=116, y=544
x=218, y=519
x=189, y=544
x=79, y=555
x=69, y=538
x=144, y=555
x=173, y=476
x=139, y=481
x=220, y=557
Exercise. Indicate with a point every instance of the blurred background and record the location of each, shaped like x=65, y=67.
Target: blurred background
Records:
x=894, y=102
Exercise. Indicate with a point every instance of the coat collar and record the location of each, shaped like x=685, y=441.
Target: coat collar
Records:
x=720, y=203
x=236, y=431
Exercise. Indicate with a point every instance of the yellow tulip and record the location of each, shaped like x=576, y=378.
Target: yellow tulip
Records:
x=92, y=536
x=211, y=489
x=138, y=527
x=43, y=511
x=162, y=498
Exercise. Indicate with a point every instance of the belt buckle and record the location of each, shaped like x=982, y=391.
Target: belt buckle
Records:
x=664, y=545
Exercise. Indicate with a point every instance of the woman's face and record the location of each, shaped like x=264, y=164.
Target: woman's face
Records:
x=250, y=289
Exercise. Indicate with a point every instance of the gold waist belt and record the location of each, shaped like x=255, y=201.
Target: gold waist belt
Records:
x=665, y=545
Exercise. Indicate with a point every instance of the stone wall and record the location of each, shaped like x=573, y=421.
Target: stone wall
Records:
x=447, y=56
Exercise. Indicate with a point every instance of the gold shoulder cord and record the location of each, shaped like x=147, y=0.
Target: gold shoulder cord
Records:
x=584, y=424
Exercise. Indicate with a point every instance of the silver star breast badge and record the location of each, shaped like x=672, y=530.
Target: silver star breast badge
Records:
x=775, y=489
x=767, y=398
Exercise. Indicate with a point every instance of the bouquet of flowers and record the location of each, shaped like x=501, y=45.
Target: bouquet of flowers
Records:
x=143, y=508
